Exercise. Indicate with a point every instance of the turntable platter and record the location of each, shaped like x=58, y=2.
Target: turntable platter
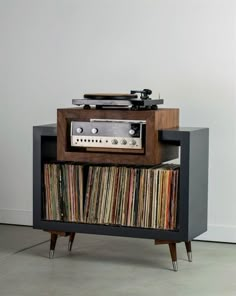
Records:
x=111, y=96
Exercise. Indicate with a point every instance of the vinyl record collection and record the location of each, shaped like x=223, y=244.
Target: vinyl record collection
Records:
x=137, y=197
x=63, y=192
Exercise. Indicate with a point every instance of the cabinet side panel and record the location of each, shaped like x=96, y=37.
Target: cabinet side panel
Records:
x=61, y=135
x=36, y=176
x=198, y=182
x=44, y=149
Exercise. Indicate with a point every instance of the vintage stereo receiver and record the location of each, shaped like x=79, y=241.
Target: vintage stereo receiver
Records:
x=108, y=133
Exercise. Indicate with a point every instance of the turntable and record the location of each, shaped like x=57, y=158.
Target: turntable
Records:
x=119, y=101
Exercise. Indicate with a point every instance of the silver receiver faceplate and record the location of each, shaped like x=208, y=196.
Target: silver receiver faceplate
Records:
x=108, y=133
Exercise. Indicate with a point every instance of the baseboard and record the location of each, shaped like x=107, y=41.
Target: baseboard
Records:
x=12, y=216
x=219, y=233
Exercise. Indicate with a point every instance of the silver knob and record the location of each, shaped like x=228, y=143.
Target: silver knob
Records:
x=79, y=130
x=114, y=142
x=131, y=132
x=123, y=142
x=133, y=142
x=94, y=130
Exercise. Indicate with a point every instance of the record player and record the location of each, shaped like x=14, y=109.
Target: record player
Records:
x=119, y=100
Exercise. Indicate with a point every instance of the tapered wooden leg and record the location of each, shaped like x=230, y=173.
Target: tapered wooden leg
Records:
x=173, y=253
x=71, y=240
x=52, y=244
x=189, y=250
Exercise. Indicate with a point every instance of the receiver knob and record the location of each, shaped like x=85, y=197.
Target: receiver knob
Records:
x=131, y=132
x=94, y=130
x=133, y=142
x=123, y=142
x=114, y=142
x=79, y=130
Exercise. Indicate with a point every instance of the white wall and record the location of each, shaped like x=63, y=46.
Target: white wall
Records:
x=52, y=51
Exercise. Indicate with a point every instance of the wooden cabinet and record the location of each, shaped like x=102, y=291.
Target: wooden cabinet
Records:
x=193, y=190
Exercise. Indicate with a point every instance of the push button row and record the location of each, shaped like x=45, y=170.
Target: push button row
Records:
x=113, y=141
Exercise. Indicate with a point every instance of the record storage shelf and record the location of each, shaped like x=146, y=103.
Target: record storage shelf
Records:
x=193, y=187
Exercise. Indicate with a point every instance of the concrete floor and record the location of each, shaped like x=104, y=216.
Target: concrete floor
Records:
x=102, y=265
